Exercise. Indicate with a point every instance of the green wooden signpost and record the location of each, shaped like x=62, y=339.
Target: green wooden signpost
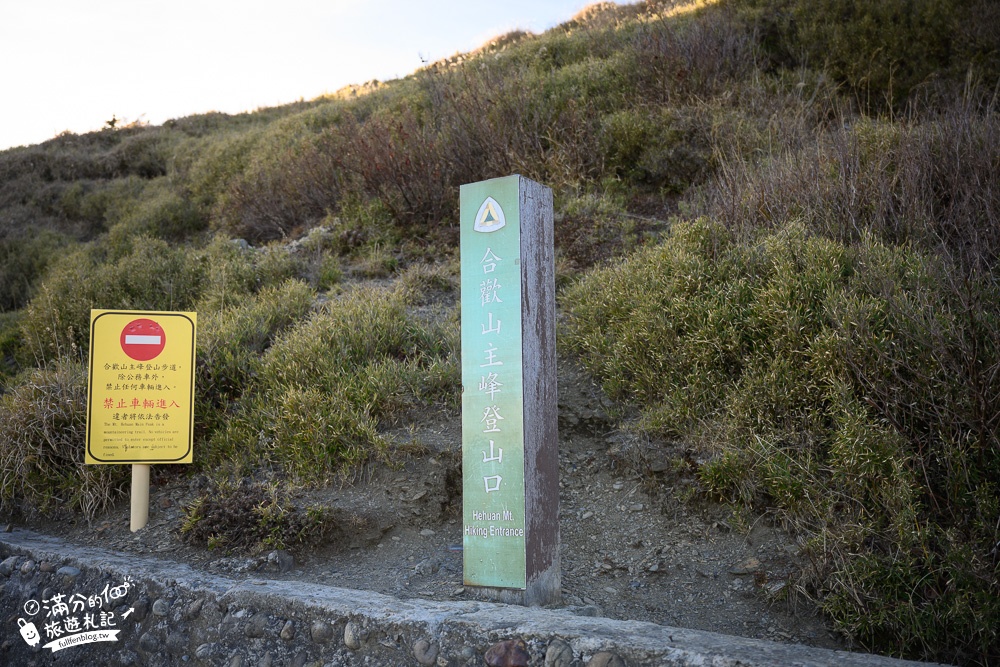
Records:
x=510, y=458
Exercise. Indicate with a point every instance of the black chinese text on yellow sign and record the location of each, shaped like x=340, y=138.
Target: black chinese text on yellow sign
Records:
x=140, y=398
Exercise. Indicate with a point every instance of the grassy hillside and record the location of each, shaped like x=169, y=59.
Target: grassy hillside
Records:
x=777, y=230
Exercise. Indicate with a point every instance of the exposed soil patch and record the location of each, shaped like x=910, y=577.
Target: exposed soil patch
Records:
x=626, y=554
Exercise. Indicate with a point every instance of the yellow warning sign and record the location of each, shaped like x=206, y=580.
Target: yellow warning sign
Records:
x=140, y=398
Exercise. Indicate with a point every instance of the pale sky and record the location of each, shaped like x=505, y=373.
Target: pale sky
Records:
x=73, y=64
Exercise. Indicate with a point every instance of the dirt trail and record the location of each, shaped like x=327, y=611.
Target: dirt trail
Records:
x=625, y=554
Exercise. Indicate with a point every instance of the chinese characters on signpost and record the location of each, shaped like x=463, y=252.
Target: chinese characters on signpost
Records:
x=510, y=456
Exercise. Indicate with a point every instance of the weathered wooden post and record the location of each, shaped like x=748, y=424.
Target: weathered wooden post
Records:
x=510, y=454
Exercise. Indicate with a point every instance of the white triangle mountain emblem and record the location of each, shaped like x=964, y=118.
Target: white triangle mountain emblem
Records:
x=490, y=217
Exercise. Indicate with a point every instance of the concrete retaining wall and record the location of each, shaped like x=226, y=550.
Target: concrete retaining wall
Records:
x=166, y=613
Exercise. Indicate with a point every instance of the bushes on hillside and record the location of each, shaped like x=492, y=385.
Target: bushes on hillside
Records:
x=42, y=449
x=156, y=210
x=847, y=387
x=883, y=51
x=928, y=182
x=828, y=343
x=231, y=340
x=318, y=392
x=147, y=275
x=23, y=260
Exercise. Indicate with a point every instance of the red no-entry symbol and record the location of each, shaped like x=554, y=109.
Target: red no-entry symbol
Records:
x=143, y=339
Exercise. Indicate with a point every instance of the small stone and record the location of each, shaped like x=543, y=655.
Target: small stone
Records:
x=149, y=643
x=194, y=609
x=606, y=659
x=589, y=610
x=775, y=588
x=257, y=625
x=558, y=654
x=660, y=464
x=176, y=643
x=68, y=571
x=8, y=565
x=321, y=632
x=27, y=567
x=510, y=653
x=425, y=652
x=288, y=631
x=458, y=591
x=353, y=636
x=164, y=503
x=587, y=515
x=636, y=507
x=127, y=658
x=161, y=607
x=266, y=661
x=235, y=661
x=46, y=566
x=280, y=560
x=204, y=652
x=748, y=566
x=618, y=486
x=141, y=608
x=426, y=532
x=428, y=566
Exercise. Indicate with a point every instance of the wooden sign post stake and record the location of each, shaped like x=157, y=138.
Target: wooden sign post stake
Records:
x=140, y=497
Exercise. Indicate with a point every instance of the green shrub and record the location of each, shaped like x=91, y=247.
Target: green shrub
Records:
x=42, y=449
x=348, y=334
x=234, y=271
x=667, y=150
x=23, y=261
x=231, y=340
x=205, y=167
x=278, y=195
x=158, y=212
x=10, y=347
x=882, y=50
x=151, y=276
x=311, y=436
x=914, y=183
x=319, y=391
x=230, y=274
x=105, y=203
x=831, y=384
x=253, y=517
x=275, y=263
x=144, y=154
